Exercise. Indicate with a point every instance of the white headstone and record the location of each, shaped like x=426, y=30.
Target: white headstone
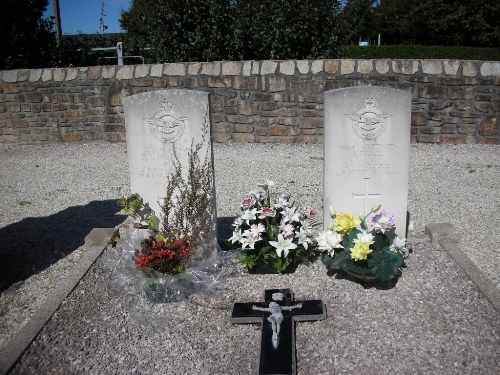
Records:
x=366, y=151
x=156, y=123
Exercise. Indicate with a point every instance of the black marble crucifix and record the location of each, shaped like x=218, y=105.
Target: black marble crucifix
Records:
x=278, y=315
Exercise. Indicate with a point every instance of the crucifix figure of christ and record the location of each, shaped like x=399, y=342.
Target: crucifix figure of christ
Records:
x=277, y=350
x=365, y=196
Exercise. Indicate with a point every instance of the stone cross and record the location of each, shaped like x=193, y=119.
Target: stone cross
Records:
x=365, y=196
x=367, y=144
x=278, y=317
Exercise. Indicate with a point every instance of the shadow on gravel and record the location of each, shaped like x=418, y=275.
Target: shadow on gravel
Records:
x=33, y=244
x=224, y=228
x=381, y=285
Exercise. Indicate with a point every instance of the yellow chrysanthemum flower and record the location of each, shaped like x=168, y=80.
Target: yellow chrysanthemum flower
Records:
x=345, y=223
x=360, y=251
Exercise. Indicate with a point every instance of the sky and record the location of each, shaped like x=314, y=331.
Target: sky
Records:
x=83, y=15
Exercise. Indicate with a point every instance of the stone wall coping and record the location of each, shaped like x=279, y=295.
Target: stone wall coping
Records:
x=334, y=67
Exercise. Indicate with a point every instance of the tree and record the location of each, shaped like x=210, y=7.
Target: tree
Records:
x=180, y=30
x=439, y=22
x=357, y=21
x=207, y=30
x=286, y=29
x=27, y=40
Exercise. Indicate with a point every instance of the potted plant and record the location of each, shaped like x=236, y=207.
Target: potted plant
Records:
x=366, y=247
x=273, y=235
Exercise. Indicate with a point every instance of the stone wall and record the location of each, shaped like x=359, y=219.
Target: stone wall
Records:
x=251, y=101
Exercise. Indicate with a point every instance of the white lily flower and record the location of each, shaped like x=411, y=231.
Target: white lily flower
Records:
x=237, y=236
x=283, y=246
x=248, y=241
x=302, y=237
x=249, y=215
x=289, y=215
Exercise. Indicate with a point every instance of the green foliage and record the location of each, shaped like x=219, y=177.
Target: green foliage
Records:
x=421, y=52
x=284, y=29
x=356, y=20
x=384, y=264
x=208, y=30
x=26, y=39
x=180, y=30
x=438, y=22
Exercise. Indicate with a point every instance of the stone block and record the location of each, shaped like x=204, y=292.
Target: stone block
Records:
x=72, y=137
x=10, y=76
x=347, y=66
x=309, y=123
x=429, y=138
x=405, y=66
x=268, y=67
x=108, y=72
x=489, y=126
x=194, y=68
x=453, y=140
x=365, y=66
x=231, y=68
x=221, y=137
x=382, y=66
x=71, y=74
x=47, y=75
x=35, y=75
x=490, y=69
x=217, y=103
x=289, y=112
x=242, y=128
x=287, y=67
x=211, y=68
x=269, y=106
x=432, y=67
x=174, y=69
x=277, y=84
x=317, y=66
x=237, y=119
x=156, y=70
x=469, y=69
x=94, y=73
x=218, y=82
x=59, y=74
x=248, y=108
x=245, y=83
x=142, y=71
x=432, y=92
x=125, y=72
x=243, y=137
x=451, y=67
x=303, y=66
x=221, y=127
x=482, y=107
x=247, y=68
x=331, y=66
x=255, y=67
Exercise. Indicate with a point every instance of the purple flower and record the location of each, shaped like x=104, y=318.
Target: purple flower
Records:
x=383, y=221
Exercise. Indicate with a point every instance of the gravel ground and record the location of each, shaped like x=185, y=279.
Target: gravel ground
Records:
x=433, y=320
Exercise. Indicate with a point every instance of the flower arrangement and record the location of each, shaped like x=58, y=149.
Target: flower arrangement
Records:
x=186, y=217
x=363, y=247
x=168, y=258
x=274, y=236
